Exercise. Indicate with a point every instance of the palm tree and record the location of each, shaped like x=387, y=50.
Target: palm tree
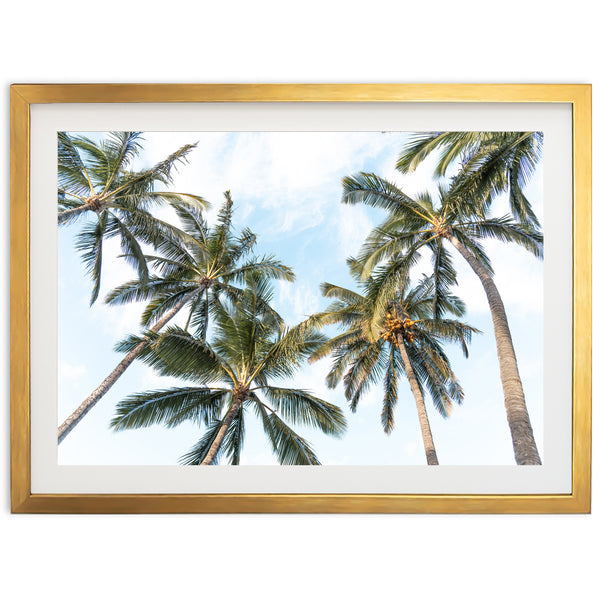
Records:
x=458, y=220
x=97, y=178
x=232, y=374
x=194, y=270
x=392, y=331
x=492, y=163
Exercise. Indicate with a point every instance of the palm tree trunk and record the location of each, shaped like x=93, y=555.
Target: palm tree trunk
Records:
x=71, y=212
x=526, y=452
x=206, y=303
x=430, y=452
x=218, y=441
x=80, y=412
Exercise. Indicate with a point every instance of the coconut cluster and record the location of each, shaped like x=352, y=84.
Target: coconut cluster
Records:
x=394, y=325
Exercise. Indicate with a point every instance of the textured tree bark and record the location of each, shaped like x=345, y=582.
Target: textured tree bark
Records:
x=430, y=452
x=525, y=448
x=206, y=315
x=218, y=441
x=80, y=412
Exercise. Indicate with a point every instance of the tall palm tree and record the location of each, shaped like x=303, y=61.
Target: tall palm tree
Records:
x=462, y=222
x=232, y=374
x=194, y=270
x=96, y=178
x=391, y=331
x=492, y=162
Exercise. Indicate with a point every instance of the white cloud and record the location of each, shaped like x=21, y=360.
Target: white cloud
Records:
x=353, y=226
x=274, y=170
x=71, y=372
x=297, y=301
x=297, y=218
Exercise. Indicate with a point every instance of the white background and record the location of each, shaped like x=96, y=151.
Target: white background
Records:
x=271, y=556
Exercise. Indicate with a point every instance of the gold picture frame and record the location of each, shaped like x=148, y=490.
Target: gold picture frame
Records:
x=24, y=501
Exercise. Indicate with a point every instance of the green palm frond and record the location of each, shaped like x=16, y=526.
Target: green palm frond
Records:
x=335, y=291
x=198, y=315
x=139, y=184
x=490, y=164
x=443, y=279
x=448, y=330
x=89, y=243
x=119, y=149
x=203, y=258
x=178, y=354
x=192, y=221
x=504, y=229
x=428, y=377
x=72, y=172
x=372, y=190
x=96, y=177
x=289, y=447
x=390, y=392
x=360, y=356
x=474, y=246
x=300, y=407
x=388, y=281
x=132, y=251
x=382, y=245
x=266, y=266
x=248, y=348
x=342, y=355
x=342, y=340
x=288, y=352
x=421, y=145
x=168, y=407
x=198, y=452
x=364, y=371
x=135, y=291
x=178, y=199
x=165, y=300
x=242, y=245
x=233, y=442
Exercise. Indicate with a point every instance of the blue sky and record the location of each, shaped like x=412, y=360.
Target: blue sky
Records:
x=286, y=188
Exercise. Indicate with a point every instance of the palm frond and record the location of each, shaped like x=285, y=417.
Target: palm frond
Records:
x=198, y=452
x=390, y=393
x=300, y=407
x=233, y=442
x=169, y=407
x=289, y=447
x=89, y=243
x=450, y=145
x=506, y=230
x=372, y=190
x=176, y=353
x=363, y=372
x=132, y=251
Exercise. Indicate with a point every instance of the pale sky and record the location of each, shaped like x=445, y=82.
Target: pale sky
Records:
x=287, y=187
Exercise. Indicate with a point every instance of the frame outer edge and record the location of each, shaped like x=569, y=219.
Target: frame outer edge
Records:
x=303, y=92
x=20, y=431
x=582, y=297
x=22, y=501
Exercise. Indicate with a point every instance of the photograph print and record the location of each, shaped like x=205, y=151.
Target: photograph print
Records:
x=300, y=298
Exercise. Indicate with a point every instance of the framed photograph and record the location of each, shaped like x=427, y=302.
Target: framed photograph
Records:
x=301, y=298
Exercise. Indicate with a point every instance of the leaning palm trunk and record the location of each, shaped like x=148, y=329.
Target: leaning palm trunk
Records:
x=526, y=452
x=421, y=410
x=218, y=441
x=80, y=412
